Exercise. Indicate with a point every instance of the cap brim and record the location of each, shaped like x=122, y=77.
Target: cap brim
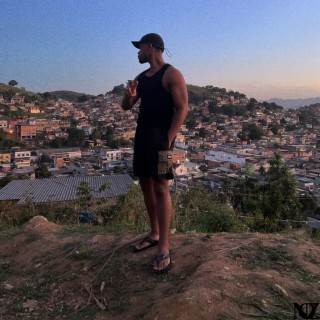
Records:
x=136, y=44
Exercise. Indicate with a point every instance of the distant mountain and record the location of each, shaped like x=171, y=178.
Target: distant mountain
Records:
x=294, y=103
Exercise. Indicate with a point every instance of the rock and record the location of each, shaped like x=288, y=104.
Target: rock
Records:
x=93, y=240
x=264, y=303
x=8, y=286
x=30, y=304
x=280, y=290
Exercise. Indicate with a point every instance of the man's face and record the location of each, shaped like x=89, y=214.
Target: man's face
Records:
x=143, y=53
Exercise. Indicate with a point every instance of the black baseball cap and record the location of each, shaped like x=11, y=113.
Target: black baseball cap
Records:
x=152, y=38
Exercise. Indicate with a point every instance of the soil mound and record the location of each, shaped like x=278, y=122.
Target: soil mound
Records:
x=50, y=272
x=40, y=224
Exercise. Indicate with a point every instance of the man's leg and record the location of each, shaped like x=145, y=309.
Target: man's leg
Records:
x=163, y=212
x=146, y=185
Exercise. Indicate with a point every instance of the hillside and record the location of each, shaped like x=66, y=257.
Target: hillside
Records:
x=53, y=272
x=68, y=95
x=8, y=91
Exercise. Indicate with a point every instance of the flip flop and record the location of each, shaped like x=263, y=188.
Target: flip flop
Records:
x=152, y=243
x=160, y=258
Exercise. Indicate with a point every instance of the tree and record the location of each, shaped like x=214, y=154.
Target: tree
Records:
x=255, y=132
x=274, y=129
x=213, y=108
x=191, y=123
x=84, y=195
x=283, y=121
x=262, y=170
x=42, y=171
x=252, y=104
x=263, y=122
x=119, y=90
x=280, y=197
x=76, y=138
x=202, y=133
x=291, y=127
x=5, y=180
x=251, y=131
x=83, y=98
x=193, y=97
x=12, y=83
x=229, y=110
x=266, y=202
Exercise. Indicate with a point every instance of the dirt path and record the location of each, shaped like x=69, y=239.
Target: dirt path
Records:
x=50, y=272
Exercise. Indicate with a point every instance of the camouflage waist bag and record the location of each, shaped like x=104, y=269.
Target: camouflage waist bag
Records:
x=165, y=162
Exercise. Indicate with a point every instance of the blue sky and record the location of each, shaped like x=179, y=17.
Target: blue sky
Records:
x=263, y=48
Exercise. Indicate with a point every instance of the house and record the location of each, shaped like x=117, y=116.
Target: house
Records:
x=86, y=128
x=181, y=170
x=72, y=153
x=26, y=131
x=24, y=171
x=22, y=158
x=305, y=183
x=5, y=156
x=61, y=162
x=5, y=167
x=17, y=99
x=106, y=156
x=178, y=156
x=3, y=125
x=64, y=189
x=224, y=156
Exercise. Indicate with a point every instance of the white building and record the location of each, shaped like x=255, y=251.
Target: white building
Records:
x=107, y=156
x=22, y=159
x=222, y=156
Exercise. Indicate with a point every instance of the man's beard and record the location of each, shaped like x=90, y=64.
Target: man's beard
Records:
x=141, y=60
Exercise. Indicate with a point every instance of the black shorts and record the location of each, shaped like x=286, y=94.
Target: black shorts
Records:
x=152, y=157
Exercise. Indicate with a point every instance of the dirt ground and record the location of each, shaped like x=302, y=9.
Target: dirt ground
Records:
x=53, y=272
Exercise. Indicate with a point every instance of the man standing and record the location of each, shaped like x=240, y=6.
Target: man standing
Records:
x=163, y=109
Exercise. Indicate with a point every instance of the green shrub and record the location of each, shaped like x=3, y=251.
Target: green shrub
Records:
x=129, y=214
x=199, y=209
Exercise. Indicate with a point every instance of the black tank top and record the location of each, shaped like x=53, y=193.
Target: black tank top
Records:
x=156, y=108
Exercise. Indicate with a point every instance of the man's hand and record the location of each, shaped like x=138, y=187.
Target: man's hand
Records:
x=130, y=96
x=132, y=88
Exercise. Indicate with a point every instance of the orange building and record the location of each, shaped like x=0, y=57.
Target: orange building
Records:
x=26, y=131
x=179, y=156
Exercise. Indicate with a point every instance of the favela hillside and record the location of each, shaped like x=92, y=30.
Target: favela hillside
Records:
x=244, y=234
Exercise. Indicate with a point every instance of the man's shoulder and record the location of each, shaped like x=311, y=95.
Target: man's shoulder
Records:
x=172, y=72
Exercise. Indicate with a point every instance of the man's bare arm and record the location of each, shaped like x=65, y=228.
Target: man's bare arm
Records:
x=178, y=89
x=130, y=97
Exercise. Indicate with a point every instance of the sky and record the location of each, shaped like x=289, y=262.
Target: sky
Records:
x=262, y=48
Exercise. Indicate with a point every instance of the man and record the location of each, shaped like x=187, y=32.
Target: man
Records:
x=163, y=109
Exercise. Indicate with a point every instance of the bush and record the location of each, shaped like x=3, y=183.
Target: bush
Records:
x=129, y=214
x=199, y=209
